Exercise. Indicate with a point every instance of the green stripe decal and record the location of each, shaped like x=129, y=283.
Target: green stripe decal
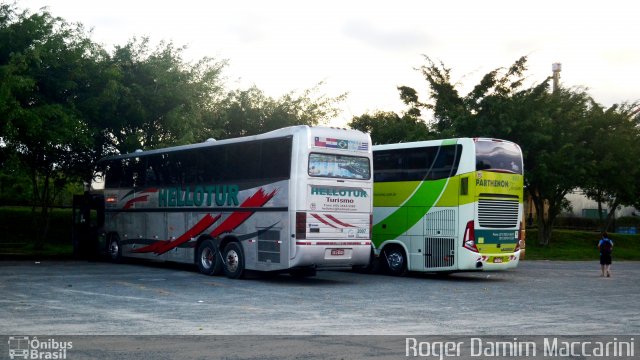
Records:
x=406, y=216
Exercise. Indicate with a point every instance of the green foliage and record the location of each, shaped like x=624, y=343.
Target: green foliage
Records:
x=15, y=184
x=251, y=112
x=581, y=245
x=65, y=103
x=629, y=221
x=42, y=72
x=15, y=225
x=155, y=98
x=614, y=168
x=576, y=223
x=555, y=130
x=388, y=127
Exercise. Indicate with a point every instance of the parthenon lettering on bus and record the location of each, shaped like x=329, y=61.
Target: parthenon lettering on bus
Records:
x=492, y=183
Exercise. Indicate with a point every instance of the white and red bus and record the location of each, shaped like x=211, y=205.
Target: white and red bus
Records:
x=295, y=199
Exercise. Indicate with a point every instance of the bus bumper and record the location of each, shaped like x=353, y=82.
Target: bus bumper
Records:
x=490, y=262
x=315, y=253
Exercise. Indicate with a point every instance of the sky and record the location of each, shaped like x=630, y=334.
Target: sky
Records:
x=369, y=48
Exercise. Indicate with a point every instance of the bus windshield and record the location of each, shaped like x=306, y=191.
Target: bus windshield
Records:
x=339, y=166
x=498, y=156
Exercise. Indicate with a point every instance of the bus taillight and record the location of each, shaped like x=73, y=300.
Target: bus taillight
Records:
x=371, y=226
x=520, y=237
x=301, y=225
x=469, y=240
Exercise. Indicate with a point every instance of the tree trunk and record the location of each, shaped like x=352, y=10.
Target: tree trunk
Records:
x=42, y=229
x=611, y=215
x=600, y=216
x=544, y=230
x=544, y=227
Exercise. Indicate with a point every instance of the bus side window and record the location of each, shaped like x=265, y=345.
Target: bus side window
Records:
x=129, y=173
x=113, y=174
x=446, y=164
x=213, y=162
x=387, y=166
x=464, y=186
x=276, y=159
x=244, y=161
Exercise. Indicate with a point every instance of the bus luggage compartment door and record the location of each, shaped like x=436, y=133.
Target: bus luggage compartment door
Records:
x=439, y=241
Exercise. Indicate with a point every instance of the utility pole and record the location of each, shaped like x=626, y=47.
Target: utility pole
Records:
x=556, y=68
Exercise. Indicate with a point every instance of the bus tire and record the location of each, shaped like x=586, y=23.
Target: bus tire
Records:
x=233, y=260
x=373, y=267
x=114, y=248
x=395, y=260
x=208, y=258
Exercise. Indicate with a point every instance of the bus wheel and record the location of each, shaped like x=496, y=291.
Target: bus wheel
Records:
x=114, y=250
x=208, y=259
x=395, y=261
x=233, y=260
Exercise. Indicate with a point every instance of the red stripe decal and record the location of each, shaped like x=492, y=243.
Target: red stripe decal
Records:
x=339, y=222
x=142, y=198
x=130, y=203
x=259, y=199
x=161, y=247
x=323, y=220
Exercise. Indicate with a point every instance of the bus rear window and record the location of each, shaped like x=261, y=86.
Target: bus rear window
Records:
x=498, y=156
x=339, y=166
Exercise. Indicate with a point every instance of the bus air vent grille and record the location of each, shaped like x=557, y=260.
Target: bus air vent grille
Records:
x=494, y=213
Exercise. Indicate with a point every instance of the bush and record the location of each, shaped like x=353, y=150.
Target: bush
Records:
x=16, y=226
x=628, y=221
x=577, y=223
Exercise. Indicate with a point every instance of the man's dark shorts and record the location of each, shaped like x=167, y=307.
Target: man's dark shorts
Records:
x=605, y=259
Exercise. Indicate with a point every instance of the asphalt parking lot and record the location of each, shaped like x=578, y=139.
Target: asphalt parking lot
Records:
x=539, y=297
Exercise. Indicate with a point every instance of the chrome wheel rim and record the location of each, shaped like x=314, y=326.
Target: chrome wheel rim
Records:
x=113, y=249
x=206, y=259
x=395, y=260
x=232, y=261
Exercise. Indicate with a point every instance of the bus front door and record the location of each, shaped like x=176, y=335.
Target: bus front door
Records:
x=88, y=218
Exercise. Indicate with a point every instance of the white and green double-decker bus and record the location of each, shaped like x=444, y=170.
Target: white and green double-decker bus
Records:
x=447, y=205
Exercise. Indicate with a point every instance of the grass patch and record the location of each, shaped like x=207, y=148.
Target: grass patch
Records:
x=580, y=245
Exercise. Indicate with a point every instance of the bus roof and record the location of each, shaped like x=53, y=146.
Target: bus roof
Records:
x=287, y=131
x=451, y=141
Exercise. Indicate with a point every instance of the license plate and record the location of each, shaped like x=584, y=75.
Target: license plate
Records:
x=337, y=252
x=497, y=260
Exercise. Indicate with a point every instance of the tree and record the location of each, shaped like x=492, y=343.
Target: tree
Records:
x=250, y=112
x=387, y=127
x=556, y=151
x=141, y=97
x=155, y=98
x=614, y=169
x=552, y=129
x=42, y=60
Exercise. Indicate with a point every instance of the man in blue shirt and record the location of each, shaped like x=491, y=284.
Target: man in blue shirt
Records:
x=605, y=245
